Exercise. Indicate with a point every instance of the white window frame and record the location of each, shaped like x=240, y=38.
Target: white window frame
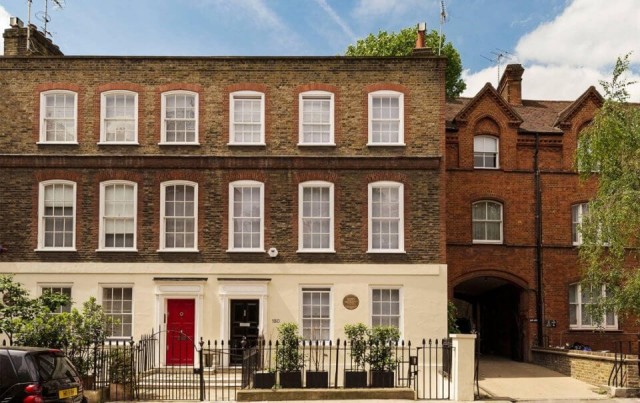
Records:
x=43, y=118
x=484, y=138
x=252, y=95
x=578, y=212
x=232, y=187
x=580, y=305
x=109, y=313
x=371, y=219
x=400, y=315
x=473, y=222
x=320, y=95
x=322, y=289
x=163, y=188
x=386, y=94
x=55, y=288
x=309, y=185
x=103, y=115
x=41, y=217
x=102, y=226
x=163, y=119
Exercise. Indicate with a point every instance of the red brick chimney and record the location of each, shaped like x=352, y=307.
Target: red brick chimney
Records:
x=510, y=86
x=27, y=41
x=421, y=49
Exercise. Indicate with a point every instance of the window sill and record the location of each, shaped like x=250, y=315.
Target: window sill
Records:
x=178, y=250
x=118, y=143
x=332, y=144
x=178, y=144
x=592, y=329
x=118, y=250
x=487, y=168
x=55, y=250
x=57, y=143
x=386, y=145
x=247, y=144
x=316, y=251
x=389, y=251
x=487, y=242
x=246, y=251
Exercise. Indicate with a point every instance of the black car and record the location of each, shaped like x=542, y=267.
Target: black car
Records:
x=35, y=375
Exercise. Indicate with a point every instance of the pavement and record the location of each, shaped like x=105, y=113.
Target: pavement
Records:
x=503, y=380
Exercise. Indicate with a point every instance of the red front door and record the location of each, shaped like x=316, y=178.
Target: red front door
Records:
x=181, y=315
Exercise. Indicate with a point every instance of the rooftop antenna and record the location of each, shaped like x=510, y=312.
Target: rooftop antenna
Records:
x=443, y=19
x=44, y=15
x=497, y=57
x=29, y=26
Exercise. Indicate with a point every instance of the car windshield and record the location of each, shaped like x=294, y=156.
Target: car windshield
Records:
x=54, y=366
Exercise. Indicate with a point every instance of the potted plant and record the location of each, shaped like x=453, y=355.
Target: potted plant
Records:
x=121, y=373
x=288, y=357
x=318, y=378
x=264, y=379
x=382, y=341
x=356, y=377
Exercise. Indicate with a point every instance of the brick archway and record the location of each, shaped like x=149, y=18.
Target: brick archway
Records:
x=496, y=305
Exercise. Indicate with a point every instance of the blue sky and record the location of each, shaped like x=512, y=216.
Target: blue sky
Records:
x=564, y=45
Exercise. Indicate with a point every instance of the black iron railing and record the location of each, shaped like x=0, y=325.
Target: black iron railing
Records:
x=198, y=370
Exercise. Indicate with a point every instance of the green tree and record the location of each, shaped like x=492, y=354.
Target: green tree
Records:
x=20, y=314
x=402, y=43
x=609, y=153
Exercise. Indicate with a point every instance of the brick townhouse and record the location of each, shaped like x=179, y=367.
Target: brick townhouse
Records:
x=514, y=205
x=226, y=195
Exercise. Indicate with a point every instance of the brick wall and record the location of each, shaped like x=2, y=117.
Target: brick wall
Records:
x=281, y=79
x=588, y=366
x=281, y=164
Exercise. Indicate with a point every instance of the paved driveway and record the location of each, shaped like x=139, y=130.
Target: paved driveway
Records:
x=503, y=379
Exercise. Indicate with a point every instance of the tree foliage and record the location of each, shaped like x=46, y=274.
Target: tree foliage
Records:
x=609, y=152
x=403, y=42
x=32, y=322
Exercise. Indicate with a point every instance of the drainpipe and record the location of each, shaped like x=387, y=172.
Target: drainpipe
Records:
x=538, y=224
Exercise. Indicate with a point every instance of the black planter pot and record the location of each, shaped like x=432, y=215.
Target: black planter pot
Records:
x=355, y=379
x=291, y=379
x=382, y=379
x=264, y=380
x=317, y=379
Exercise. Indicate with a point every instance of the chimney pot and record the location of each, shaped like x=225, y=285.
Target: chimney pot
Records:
x=15, y=22
x=422, y=27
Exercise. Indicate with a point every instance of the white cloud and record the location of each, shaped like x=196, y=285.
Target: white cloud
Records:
x=565, y=56
x=588, y=33
x=4, y=24
x=336, y=18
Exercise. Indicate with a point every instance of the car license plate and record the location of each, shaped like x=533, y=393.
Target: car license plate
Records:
x=64, y=393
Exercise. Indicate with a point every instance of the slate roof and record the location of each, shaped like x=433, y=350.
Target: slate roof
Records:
x=537, y=116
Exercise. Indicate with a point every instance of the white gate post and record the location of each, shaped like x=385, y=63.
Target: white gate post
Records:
x=463, y=366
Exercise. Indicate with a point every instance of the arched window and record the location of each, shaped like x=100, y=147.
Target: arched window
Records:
x=487, y=222
x=179, y=216
x=485, y=152
x=118, y=202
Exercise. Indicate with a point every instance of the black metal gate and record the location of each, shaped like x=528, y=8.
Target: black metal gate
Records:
x=139, y=371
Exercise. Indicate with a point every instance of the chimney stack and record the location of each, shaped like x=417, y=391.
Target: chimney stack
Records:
x=422, y=27
x=421, y=49
x=17, y=36
x=510, y=86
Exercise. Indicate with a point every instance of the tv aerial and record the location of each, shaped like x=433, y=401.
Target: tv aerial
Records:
x=497, y=57
x=44, y=15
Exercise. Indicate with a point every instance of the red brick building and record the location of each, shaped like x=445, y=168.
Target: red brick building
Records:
x=514, y=202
